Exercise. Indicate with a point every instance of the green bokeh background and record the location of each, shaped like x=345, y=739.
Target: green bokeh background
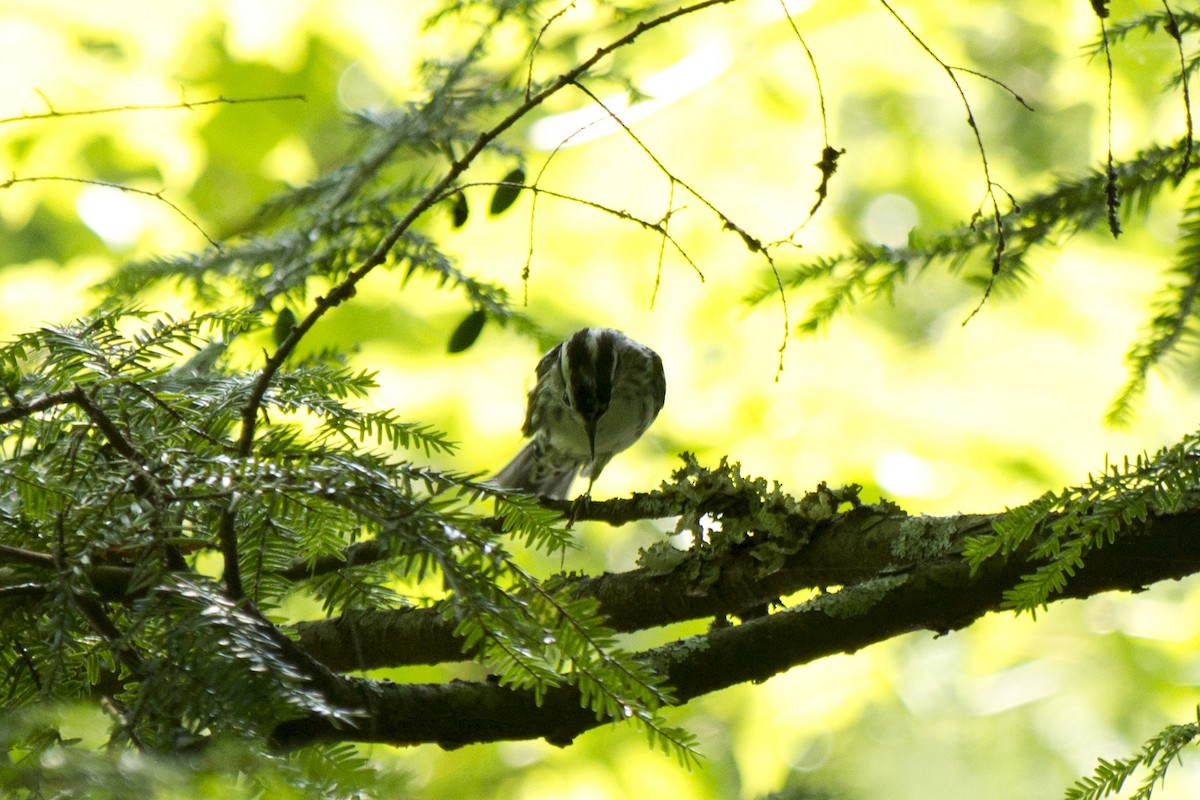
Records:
x=898, y=396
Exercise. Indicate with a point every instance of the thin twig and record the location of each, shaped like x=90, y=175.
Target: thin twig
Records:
x=990, y=185
x=1172, y=28
x=829, y=155
x=527, y=269
x=158, y=195
x=1112, y=202
x=753, y=244
x=1012, y=93
x=662, y=243
x=53, y=113
x=537, y=42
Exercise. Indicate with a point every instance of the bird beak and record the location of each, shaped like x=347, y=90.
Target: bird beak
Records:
x=589, y=426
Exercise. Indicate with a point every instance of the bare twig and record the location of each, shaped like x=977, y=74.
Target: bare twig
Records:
x=996, y=81
x=186, y=105
x=537, y=42
x=990, y=190
x=829, y=155
x=753, y=244
x=121, y=187
x=659, y=228
x=662, y=244
x=1112, y=200
x=527, y=269
x=1172, y=28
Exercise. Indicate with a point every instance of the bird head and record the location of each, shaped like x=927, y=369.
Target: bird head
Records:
x=588, y=361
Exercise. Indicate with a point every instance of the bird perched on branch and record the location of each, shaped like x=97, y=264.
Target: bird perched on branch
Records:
x=596, y=394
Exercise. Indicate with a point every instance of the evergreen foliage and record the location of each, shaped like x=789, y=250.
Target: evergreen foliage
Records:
x=1058, y=530
x=1156, y=756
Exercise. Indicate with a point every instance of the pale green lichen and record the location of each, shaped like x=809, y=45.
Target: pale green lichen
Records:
x=661, y=558
x=924, y=539
x=674, y=652
x=853, y=601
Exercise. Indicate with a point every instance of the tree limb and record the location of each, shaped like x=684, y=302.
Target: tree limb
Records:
x=854, y=547
x=938, y=593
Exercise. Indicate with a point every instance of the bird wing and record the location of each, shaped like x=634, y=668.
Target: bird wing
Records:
x=547, y=363
x=660, y=382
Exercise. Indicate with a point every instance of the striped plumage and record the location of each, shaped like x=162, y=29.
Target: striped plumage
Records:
x=596, y=394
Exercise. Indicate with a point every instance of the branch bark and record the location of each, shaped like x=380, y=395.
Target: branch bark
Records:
x=901, y=574
x=853, y=547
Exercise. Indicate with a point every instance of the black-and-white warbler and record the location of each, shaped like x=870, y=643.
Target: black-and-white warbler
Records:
x=596, y=393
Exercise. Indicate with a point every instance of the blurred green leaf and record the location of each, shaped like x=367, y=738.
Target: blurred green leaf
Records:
x=285, y=321
x=506, y=194
x=459, y=211
x=467, y=331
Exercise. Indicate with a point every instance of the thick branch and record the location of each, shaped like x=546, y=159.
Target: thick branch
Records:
x=938, y=594
x=854, y=547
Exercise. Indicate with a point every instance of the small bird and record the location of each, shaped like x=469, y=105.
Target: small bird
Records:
x=596, y=393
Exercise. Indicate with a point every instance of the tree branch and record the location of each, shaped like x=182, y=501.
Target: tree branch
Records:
x=187, y=105
x=854, y=547
x=938, y=594
x=19, y=410
x=345, y=289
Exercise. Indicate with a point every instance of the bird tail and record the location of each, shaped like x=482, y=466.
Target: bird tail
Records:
x=528, y=472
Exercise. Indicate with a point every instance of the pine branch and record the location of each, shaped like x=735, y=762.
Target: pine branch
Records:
x=1156, y=757
x=939, y=594
x=1044, y=219
x=1059, y=531
x=1174, y=322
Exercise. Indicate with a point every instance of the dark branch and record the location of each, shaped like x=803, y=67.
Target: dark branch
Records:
x=19, y=410
x=937, y=594
x=115, y=436
x=899, y=573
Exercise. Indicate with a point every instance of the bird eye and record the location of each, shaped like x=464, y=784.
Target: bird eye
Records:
x=566, y=399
